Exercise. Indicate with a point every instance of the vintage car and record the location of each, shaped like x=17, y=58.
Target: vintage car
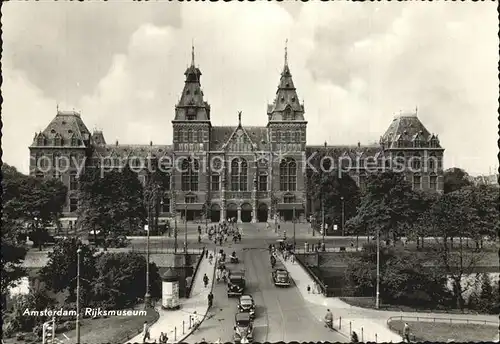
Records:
x=246, y=304
x=236, y=283
x=280, y=277
x=243, y=328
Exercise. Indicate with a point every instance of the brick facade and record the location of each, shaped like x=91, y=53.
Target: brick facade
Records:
x=248, y=173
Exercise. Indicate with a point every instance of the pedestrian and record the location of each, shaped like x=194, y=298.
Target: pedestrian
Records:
x=210, y=259
x=206, y=253
x=308, y=289
x=205, y=280
x=406, y=332
x=146, y=334
x=210, y=300
x=354, y=337
x=293, y=258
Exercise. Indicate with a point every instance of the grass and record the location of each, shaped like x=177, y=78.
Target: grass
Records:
x=369, y=302
x=422, y=331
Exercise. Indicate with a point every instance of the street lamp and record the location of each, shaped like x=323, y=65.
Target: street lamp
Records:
x=293, y=219
x=37, y=234
x=323, y=227
x=343, y=214
x=186, y=229
x=377, y=296
x=78, y=295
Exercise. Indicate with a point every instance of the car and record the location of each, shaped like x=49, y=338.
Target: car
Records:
x=246, y=304
x=243, y=327
x=236, y=283
x=281, y=277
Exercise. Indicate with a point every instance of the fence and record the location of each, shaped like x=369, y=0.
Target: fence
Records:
x=159, y=248
x=323, y=287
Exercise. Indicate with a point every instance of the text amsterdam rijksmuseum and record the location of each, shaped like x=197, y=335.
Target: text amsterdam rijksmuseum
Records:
x=241, y=184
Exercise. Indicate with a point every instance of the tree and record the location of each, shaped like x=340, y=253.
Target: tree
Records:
x=330, y=188
x=453, y=215
x=112, y=202
x=120, y=281
x=157, y=182
x=386, y=205
x=61, y=270
x=486, y=297
x=454, y=179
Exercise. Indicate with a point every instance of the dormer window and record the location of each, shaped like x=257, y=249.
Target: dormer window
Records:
x=53, y=131
x=293, y=99
x=287, y=84
x=417, y=142
x=282, y=99
x=74, y=141
x=70, y=131
x=40, y=141
x=434, y=142
x=191, y=114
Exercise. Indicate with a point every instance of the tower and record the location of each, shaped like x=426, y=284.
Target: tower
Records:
x=287, y=132
x=191, y=138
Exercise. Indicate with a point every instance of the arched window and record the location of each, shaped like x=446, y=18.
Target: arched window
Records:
x=190, y=135
x=288, y=175
x=190, y=170
x=200, y=135
x=432, y=162
x=40, y=141
x=239, y=175
x=57, y=140
x=433, y=182
x=288, y=116
x=416, y=162
x=297, y=136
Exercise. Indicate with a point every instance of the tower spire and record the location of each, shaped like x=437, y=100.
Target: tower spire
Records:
x=286, y=52
x=239, y=118
x=192, y=53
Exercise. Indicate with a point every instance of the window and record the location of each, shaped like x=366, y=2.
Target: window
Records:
x=190, y=135
x=73, y=181
x=191, y=114
x=288, y=175
x=417, y=182
x=168, y=180
x=215, y=182
x=416, y=162
x=184, y=135
x=39, y=175
x=433, y=182
x=432, y=162
x=434, y=142
x=362, y=182
x=190, y=199
x=417, y=143
x=239, y=175
x=288, y=114
x=74, y=141
x=297, y=136
x=57, y=140
x=278, y=136
x=262, y=186
x=44, y=162
x=56, y=175
x=165, y=205
x=189, y=179
x=286, y=136
x=73, y=204
x=289, y=199
x=200, y=135
x=40, y=141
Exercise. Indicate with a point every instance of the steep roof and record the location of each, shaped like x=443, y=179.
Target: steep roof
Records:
x=286, y=98
x=67, y=126
x=407, y=128
x=131, y=150
x=222, y=135
x=351, y=151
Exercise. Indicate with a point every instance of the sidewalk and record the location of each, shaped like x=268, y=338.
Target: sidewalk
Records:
x=178, y=324
x=369, y=324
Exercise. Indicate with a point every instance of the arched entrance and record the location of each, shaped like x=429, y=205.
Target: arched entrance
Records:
x=246, y=212
x=262, y=213
x=215, y=213
x=231, y=211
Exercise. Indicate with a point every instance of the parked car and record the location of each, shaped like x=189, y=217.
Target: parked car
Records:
x=243, y=327
x=280, y=278
x=246, y=304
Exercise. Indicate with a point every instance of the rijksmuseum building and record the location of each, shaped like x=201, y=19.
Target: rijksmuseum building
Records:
x=250, y=179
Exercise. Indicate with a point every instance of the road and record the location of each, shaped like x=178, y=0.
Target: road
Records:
x=281, y=313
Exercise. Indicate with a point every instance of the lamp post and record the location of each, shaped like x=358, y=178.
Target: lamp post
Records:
x=293, y=219
x=78, y=295
x=377, y=296
x=37, y=234
x=147, y=296
x=186, y=228
x=323, y=227
x=343, y=214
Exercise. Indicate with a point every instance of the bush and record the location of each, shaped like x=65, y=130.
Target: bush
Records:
x=10, y=329
x=117, y=241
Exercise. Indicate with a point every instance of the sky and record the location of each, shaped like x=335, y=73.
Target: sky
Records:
x=355, y=66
